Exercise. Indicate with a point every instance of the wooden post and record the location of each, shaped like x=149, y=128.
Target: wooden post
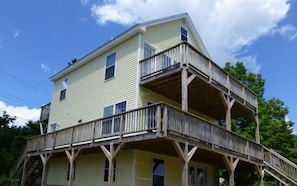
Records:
x=110, y=155
x=257, y=132
x=26, y=160
x=231, y=166
x=165, y=120
x=228, y=104
x=71, y=158
x=260, y=173
x=158, y=120
x=44, y=159
x=186, y=156
x=184, y=89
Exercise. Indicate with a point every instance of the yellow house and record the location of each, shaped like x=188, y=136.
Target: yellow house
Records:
x=143, y=110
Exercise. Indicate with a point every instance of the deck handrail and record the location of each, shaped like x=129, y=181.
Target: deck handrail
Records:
x=188, y=124
x=18, y=162
x=186, y=54
x=158, y=118
x=280, y=163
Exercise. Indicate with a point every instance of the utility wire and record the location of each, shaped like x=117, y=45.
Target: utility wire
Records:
x=23, y=82
x=17, y=99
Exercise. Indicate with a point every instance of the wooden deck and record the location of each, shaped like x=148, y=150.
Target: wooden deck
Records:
x=159, y=128
x=162, y=74
x=158, y=121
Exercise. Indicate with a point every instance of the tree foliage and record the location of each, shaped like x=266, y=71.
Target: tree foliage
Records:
x=13, y=139
x=276, y=132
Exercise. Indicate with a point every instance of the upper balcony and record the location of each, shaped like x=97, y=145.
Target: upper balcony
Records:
x=162, y=74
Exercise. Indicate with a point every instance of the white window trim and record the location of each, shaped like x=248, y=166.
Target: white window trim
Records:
x=149, y=45
x=113, y=104
x=115, y=64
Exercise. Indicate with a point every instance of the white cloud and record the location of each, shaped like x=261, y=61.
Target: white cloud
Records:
x=22, y=113
x=226, y=26
x=84, y=2
x=44, y=67
x=288, y=31
x=16, y=33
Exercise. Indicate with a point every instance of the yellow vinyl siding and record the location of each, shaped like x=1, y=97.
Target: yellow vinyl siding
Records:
x=88, y=92
x=173, y=169
x=90, y=170
x=166, y=35
x=57, y=171
x=147, y=95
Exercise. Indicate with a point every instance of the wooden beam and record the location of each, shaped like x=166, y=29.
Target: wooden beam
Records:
x=184, y=89
x=191, y=78
x=44, y=160
x=186, y=156
x=257, y=130
x=110, y=155
x=26, y=160
x=231, y=164
x=71, y=158
x=228, y=104
x=260, y=172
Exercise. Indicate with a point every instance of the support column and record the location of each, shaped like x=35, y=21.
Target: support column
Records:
x=257, y=130
x=184, y=89
x=186, y=156
x=231, y=164
x=260, y=172
x=44, y=159
x=26, y=160
x=71, y=158
x=110, y=155
x=228, y=104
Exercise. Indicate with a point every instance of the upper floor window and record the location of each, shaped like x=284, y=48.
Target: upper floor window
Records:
x=183, y=34
x=112, y=125
x=148, y=51
x=54, y=127
x=63, y=89
x=110, y=66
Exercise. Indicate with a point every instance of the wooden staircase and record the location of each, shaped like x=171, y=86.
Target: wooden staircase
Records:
x=33, y=169
x=280, y=168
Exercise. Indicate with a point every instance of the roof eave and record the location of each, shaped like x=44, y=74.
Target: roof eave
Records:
x=105, y=47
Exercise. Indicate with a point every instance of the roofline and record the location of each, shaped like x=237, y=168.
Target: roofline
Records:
x=124, y=36
x=93, y=54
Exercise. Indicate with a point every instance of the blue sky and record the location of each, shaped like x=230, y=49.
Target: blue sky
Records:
x=38, y=38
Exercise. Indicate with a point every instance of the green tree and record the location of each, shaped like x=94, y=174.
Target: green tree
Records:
x=275, y=131
x=13, y=140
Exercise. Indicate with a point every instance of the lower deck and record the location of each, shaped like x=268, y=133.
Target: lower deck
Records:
x=158, y=129
x=131, y=167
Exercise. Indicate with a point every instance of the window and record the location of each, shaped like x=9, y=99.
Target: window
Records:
x=183, y=34
x=148, y=51
x=112, y=125
x=63, y=89
x=54, y=127
x=196, y=176
x=110, y=66
x=158, y=172
x=148, y=65
x=106, y=169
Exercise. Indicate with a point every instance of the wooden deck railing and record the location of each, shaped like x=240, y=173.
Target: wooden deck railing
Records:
x=281, y=164
x=161, y=119
x=185, y=54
